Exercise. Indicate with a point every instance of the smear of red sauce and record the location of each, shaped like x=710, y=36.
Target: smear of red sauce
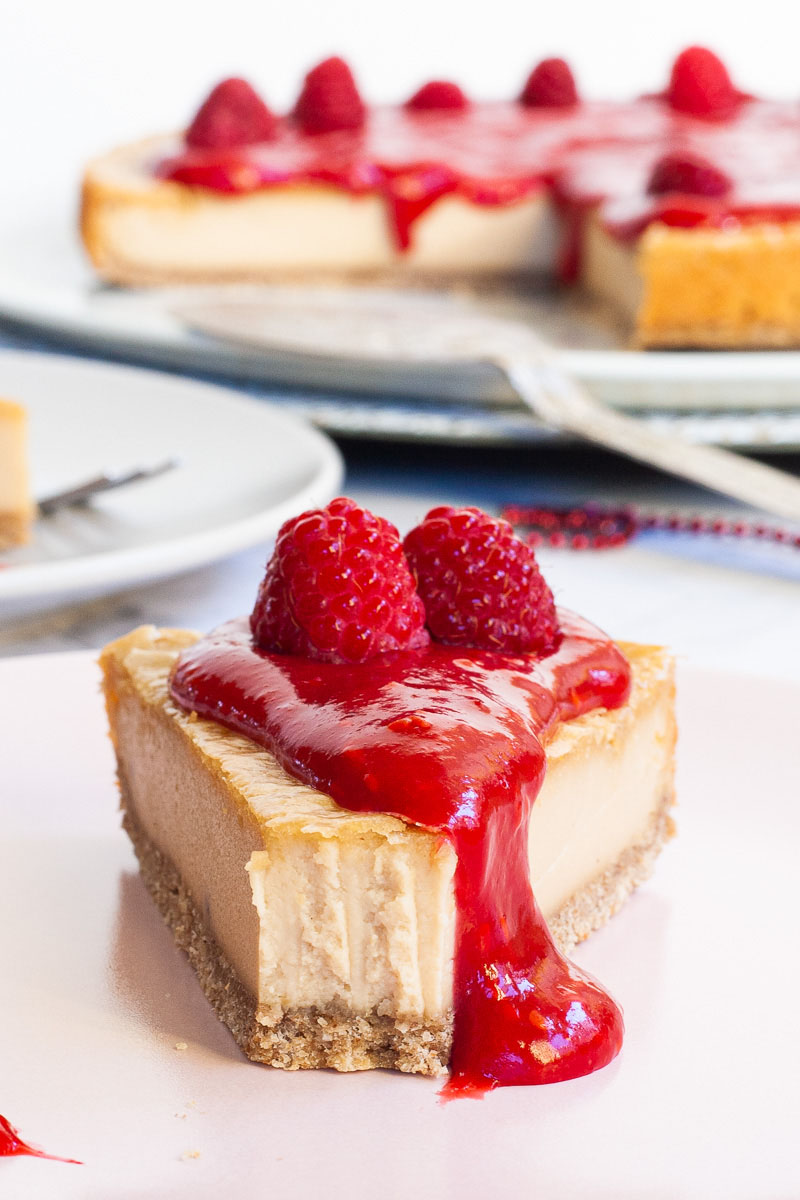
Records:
x=497, y=154
x=450, y=740
x=11, y=1145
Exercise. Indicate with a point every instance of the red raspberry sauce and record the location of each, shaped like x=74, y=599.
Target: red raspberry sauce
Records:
x=12, y=1145
x=448, y=739
x=498, y=154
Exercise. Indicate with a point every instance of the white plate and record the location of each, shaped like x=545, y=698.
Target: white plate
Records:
x=46, y=285
x=243, y=469
x=702, y=1102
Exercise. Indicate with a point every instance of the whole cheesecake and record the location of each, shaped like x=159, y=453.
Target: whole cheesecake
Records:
x=341, y=845
x=680, y=210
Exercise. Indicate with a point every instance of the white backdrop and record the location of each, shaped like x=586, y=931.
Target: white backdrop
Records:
x=77, y=77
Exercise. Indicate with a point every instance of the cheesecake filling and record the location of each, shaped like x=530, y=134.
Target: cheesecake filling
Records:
x=449, y=740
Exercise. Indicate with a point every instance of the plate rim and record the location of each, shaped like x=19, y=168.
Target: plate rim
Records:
x=172, y=556
x=58, y=308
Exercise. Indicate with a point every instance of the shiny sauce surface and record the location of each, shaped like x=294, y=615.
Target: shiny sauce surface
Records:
x=450, y=740
x=495, y=154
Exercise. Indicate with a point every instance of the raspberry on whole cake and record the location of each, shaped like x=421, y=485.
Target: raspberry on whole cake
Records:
x=329, y=99
x=701, y=86
x=550, y=84
x=689, y=174
x=232, y=115
x=439, y=94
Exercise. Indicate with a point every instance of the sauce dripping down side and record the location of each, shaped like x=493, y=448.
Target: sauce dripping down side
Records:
x=12, y=1145
x=447, y=739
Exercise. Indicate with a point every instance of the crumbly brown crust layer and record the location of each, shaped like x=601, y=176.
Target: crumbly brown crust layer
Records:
x=333, y=1036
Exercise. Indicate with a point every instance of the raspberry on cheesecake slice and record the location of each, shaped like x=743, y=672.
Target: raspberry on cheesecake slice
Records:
x=16, y=506
x=340, y=804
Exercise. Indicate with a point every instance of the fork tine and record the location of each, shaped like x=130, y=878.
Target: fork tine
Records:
x=106, y=482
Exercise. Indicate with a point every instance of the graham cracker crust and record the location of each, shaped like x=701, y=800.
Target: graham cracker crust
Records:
x=333, y=1036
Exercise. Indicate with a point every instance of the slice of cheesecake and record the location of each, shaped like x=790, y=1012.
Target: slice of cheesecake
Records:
x=16, y=508
x=325, y=937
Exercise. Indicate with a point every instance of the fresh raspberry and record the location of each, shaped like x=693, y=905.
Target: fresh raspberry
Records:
x=689, y=174
x=233, y=115
x=480, y=583
x=440, y=94
x=329, y=99
x=700, y=85
x=550, y=85
x=338, y=588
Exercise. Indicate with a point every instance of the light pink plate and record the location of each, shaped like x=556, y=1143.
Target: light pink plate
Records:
x=95, y=1002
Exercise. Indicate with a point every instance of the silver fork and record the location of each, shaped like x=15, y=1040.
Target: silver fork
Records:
x=81, y=493
x=401, y=335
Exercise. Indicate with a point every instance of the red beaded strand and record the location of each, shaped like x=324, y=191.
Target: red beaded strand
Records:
x=595, y=527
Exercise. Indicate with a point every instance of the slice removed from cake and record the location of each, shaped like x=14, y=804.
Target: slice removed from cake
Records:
x=325, y=937
x=16, y=508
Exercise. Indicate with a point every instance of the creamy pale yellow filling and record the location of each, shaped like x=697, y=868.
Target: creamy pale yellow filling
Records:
x=365, y=921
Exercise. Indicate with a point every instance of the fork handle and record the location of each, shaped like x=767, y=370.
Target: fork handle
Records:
x=565, y=404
